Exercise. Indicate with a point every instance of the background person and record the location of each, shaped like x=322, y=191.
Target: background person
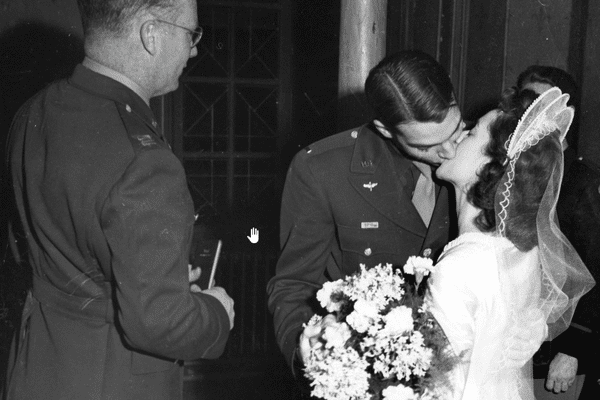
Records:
x=560, y=367
x=540, y=78
x=108, y=218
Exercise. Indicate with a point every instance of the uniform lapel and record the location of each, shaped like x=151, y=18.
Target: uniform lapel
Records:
x=379, y=180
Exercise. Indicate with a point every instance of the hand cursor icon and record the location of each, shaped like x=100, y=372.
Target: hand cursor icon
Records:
x=253, y=238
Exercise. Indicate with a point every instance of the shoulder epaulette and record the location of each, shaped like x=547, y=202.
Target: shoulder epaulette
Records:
x=141, y=136
x=339, y=140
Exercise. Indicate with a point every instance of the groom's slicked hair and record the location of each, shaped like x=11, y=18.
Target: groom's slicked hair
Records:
x=409, y=86
x=113, y=16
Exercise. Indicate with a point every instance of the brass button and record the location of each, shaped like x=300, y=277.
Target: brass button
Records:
x=127, y=107
x=427, y=252
x=354, y=134
x=368, y=251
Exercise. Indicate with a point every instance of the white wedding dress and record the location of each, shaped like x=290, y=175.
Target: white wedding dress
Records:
x=477, y=305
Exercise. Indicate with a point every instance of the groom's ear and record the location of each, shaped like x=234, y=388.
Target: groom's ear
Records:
x=382, y=129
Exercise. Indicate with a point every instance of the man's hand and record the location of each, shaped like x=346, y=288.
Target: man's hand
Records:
x=561, y=373
x=311, y=337
x=194, y=275
x=220, y=294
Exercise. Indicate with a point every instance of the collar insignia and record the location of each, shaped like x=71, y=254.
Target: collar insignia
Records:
x=145, y=140
x=366, y=164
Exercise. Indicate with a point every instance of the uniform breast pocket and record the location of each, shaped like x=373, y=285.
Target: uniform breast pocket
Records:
x=375, y=246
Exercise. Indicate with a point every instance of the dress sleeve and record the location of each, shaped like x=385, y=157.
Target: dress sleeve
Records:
x=147, y=220
x=463, y=293
x=477, y=314
x=454, y=297
x=306, y=235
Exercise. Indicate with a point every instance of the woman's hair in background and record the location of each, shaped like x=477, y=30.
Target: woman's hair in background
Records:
x=409, y=86
x=532, y=172
x=554, y=76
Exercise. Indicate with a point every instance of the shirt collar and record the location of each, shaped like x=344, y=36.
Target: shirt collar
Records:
x=117, y=76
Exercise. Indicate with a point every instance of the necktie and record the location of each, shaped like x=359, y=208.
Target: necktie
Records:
x=424, y=197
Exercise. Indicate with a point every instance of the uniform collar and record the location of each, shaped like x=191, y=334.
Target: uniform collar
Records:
x=109, y=88
x=117, y=76
x=372, y=149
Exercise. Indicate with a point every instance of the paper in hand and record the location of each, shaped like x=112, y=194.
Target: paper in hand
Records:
x=206, y=256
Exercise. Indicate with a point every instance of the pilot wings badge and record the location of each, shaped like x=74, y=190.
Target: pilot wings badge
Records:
x=370, y=185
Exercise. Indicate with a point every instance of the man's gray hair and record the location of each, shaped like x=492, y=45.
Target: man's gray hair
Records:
x=114, y=15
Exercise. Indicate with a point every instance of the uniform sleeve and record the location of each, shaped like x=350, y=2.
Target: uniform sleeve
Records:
x=147, y=220
x=307, y=235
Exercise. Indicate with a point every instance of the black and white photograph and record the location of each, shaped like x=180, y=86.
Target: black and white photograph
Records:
x=299, y=200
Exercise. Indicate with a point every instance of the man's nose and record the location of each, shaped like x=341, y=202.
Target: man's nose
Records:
x=448, y=150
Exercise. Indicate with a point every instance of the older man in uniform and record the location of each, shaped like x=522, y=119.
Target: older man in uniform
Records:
x=108, y=219
x=367, y=195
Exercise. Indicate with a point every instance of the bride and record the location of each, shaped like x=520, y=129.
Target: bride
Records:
x=510, y=265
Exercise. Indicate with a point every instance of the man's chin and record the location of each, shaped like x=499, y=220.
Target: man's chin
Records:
x=432, y=163
x=440, y=172
x=168, y=89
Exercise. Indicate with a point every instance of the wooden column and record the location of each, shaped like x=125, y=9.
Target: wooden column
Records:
x=362, y=45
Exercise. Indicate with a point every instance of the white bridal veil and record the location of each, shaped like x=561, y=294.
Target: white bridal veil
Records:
x=546, y=282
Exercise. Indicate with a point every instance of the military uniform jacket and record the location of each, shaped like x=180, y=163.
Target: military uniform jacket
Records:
x=347, y=200
x=108, y=218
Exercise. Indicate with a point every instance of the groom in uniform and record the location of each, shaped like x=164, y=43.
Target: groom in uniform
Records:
x=367, y=195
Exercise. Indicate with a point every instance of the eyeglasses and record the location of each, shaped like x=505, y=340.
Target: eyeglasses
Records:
x=195, y=34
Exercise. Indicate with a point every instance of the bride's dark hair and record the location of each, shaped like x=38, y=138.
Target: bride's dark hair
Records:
x=533, y=168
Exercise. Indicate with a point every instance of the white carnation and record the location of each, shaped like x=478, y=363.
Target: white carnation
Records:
x=359, y=322
x=399, y=392
x=366, y=308
x=336, y=335
x=325, y=293
x=398, y=320
x=421, y=265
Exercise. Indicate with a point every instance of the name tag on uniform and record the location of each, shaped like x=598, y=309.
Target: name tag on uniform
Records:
x=369, y=225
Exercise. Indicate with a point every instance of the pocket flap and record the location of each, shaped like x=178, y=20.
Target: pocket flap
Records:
x=379, y=241
x=146, y=364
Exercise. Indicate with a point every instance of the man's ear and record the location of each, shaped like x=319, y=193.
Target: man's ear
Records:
x=382, y=129
x=149, y=37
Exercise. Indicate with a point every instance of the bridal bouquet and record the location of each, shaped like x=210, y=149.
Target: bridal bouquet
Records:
x=384, y=343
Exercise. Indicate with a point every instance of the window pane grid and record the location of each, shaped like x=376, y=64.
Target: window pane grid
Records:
x=230, y=106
